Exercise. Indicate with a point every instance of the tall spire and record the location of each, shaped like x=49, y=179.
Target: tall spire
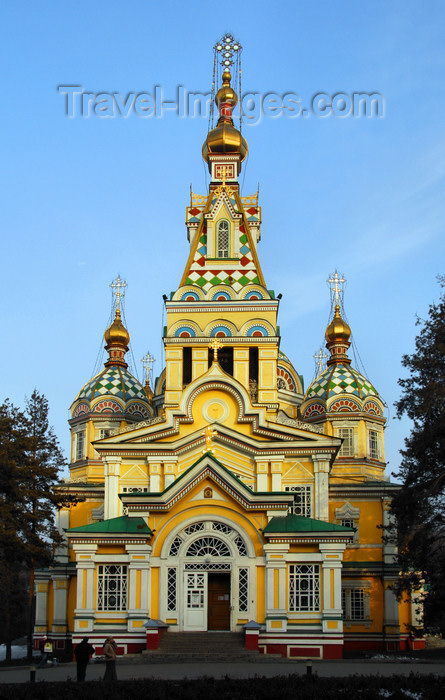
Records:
x=116, y=337
x=338, y=331
x=224, y=146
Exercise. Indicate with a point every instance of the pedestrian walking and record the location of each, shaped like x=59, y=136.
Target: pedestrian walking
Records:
x=82, y=652
x=45, y=648
x=110, y=659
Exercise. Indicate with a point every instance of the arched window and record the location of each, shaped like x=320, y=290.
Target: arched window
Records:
x=222, y=239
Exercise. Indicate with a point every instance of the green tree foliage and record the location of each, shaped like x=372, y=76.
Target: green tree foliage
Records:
x=419, y=506
x=30, y=461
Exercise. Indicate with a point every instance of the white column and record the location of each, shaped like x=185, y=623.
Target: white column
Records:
x=112, y=504
x=154, y=470
x=170, y=471
x=321, y=496
x=62, y=524
x=276, y=466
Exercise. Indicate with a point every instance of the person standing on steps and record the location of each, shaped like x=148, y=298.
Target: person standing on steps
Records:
x=82, y=652
x=110, y=659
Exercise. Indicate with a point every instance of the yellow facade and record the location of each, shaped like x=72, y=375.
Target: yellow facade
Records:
x=225, y=495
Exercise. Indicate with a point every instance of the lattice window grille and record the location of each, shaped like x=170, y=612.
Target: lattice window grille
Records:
x=302, y=500
x=243, y=590
x=223, y=566
x=175, y=546
x=208, y=546
x=347, y=522
x=304, y=587
x=171, y=589
x=242, y=549
x=195, y=590
x=222, y=527
x=111, y=587
x=196, y=527
x=357, y=604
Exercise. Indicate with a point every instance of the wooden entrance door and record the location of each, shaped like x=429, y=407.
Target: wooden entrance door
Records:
x=218, y=601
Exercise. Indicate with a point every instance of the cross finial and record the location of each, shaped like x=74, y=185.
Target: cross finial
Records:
x=147, y=362
x=209, y=433
x=227, y=48
x=116, y=287
x=223, y=175
x=336, y=282
x=320, y=358
x=215, y=345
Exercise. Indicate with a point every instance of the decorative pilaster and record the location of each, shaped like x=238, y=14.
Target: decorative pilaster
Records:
x=321, y=496
x=138, y=585
x=60, y=598
x=41, y=588
x=86, y=566
x=154, y=470
x=332, y=615
x=112, y=505
x=276, y=566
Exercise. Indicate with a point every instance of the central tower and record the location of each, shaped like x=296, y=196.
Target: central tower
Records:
x=222, y=292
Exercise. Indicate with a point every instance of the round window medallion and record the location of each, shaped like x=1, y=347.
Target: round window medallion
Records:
x=215, y=410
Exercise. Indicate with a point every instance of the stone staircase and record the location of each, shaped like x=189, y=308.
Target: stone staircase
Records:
x=195, y=647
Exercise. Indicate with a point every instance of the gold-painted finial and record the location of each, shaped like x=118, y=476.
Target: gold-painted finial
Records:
x=215, y=345
x=209, y=434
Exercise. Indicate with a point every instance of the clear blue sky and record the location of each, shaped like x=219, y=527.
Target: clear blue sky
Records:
x=87, y=198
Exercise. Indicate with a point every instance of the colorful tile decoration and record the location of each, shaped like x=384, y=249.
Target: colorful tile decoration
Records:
x=340, y=379
x=113, y=381
x=242, y=271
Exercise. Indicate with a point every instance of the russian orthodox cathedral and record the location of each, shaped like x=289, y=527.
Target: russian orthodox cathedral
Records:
x=224, y=496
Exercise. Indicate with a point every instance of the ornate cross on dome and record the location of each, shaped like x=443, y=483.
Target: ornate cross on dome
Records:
x=147, y=362
x=209, y=433
x=116, y=287
x=226, y=49
x=336, y=283
x=215, y=345
x=320, y=358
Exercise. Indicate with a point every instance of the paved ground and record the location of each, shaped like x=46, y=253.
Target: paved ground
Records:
x=127, y=670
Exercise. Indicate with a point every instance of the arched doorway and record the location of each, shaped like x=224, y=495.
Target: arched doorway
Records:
x=208, y=574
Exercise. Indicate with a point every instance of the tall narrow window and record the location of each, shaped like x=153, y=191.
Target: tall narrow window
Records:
x=80, y=444
x=347, y=448
x=373, y=444
x=222, y=239
x=186, y=365
x=171, y=589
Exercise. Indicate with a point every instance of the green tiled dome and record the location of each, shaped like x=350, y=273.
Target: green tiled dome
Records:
x=113, y=381
x=340, y=379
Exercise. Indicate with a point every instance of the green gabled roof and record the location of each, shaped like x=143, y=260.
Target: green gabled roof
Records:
x=298, y=523
x=123, y=525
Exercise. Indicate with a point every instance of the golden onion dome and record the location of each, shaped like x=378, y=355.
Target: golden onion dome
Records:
x=117, y=333
x=225, y=138
x=338, y=329
x=226, y=95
